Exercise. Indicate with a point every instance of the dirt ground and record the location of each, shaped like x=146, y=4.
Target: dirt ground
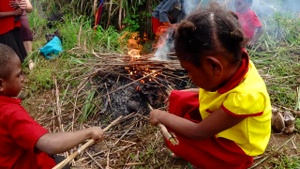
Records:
x=134, y=143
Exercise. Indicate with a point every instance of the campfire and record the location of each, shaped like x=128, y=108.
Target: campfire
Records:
x=128, y=83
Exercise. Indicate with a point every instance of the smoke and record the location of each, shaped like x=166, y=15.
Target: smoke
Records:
x=166, y=45
x=267, y=9
x=166, y=42
x=190, y=5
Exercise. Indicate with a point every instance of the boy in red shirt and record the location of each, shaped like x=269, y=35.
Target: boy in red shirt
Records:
x=250, y=23
x=25, y=143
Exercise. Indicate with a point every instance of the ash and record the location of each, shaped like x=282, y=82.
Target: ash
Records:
x=127, y=86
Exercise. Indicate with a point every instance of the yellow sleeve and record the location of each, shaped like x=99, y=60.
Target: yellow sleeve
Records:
x=244, y=104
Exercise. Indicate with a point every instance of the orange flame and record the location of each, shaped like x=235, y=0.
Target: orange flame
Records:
x=134, y=53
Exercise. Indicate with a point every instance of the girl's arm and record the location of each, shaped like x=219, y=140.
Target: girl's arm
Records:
x=11, y=13
x=216, y=122
x=29, y=7
x=53, y=143
x=23, y=4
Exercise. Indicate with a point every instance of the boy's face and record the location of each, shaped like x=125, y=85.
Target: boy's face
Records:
x=241, y=5
x=12, y=85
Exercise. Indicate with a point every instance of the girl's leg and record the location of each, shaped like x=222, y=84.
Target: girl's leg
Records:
x=209, y=153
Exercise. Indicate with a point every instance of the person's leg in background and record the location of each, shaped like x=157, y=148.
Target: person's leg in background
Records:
x=27, y=37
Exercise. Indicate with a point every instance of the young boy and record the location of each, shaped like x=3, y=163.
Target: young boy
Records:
x=251, y=24
x=24, y=143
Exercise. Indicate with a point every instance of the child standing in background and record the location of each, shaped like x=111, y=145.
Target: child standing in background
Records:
x=251, y=24
x=166, y=13
x=227, y=120
x=10, y=27
x=25, y=143
x=26, y=33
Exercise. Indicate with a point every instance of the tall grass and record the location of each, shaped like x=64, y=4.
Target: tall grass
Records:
x=276, y=56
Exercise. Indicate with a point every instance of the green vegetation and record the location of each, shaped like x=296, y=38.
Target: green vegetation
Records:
x=276, y=56
x=286, y=162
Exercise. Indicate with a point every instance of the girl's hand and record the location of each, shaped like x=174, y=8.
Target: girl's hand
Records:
x=13, y=4
x=22, y=4
x=18, y=11
x=155, y=116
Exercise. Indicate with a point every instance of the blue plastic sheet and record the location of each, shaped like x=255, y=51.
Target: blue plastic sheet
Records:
x=52, y=48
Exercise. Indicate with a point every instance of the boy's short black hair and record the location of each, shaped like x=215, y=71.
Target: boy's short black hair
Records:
x=6, y=54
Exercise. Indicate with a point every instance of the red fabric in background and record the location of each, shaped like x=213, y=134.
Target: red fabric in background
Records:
x=155, y=24
x=98, y=15
x=205, y=154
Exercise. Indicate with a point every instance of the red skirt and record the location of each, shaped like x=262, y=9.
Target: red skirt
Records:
x=205, y=154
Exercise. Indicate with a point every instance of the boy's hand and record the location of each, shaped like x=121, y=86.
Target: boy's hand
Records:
x=97, y=133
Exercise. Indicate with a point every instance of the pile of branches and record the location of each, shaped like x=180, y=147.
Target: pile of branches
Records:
x=126, y=84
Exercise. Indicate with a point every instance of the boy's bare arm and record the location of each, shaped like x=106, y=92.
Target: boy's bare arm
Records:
x=218, y=121
x=53, y=143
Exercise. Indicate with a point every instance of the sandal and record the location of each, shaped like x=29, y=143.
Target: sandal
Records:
x=173, y=155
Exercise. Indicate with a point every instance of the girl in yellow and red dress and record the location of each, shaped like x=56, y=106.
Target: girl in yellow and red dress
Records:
x=227, y=120
x=10, y=27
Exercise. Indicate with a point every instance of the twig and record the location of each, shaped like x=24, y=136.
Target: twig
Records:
x=58, y=113
x=94, y=159
x=268, y=156
x=165, y=131
x=107, y=159
x=133, y=164
x=124, y=134
x=82, y=148
x=130, y=83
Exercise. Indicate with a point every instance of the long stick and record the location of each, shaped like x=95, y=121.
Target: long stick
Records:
x=83, y=147
x=165, y=131
x=95, y=7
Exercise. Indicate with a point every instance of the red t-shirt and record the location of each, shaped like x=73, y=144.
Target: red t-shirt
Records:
x=249, y=22
x=7, y=23
x=18, y=136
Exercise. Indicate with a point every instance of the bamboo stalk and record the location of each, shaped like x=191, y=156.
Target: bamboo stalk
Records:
x=109, y=13
x=95, y=7
x=82, y=148
x=165, y=131
x=120, y=14
x=58, y=105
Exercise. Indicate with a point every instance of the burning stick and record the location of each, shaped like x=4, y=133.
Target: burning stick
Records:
x=169, y=136
x=82, y=148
